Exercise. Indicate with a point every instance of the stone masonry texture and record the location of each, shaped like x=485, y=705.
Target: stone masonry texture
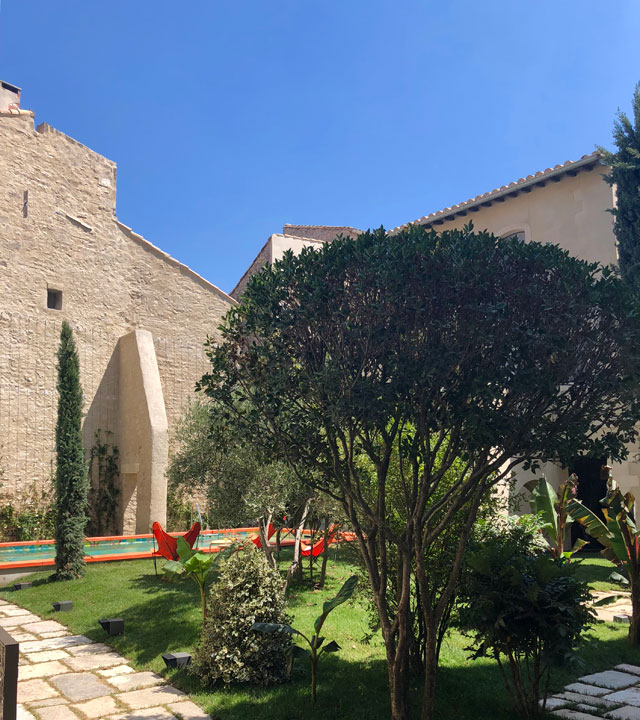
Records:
x=59, y=232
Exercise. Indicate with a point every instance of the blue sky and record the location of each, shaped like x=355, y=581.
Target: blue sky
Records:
x=229, y=118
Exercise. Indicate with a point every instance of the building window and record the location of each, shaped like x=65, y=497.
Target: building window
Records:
x=519, y=234
x=54, y=299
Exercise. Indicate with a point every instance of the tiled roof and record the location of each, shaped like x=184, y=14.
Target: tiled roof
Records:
x=571, y=167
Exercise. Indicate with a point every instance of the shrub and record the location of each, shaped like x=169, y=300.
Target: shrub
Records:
x=72, y=479
x=249, y=591
x=526, y=610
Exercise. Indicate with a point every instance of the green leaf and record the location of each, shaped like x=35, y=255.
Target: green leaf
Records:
x=184, y=551
x=543, y=500
x=591, y=522
x=332, y=647
x=345, y=592
x=270, y=628
x=618, y=578
x=299, y=652
x=173, y=567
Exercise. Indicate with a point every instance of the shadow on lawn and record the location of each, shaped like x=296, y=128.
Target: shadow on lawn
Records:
x=169, y=620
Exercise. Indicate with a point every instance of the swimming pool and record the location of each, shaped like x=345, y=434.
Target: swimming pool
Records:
x=41, y=553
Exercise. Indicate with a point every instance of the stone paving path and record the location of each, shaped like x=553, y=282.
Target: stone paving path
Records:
x=613, y=694
x=70, y=677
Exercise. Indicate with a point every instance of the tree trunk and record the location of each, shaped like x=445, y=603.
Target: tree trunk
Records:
x=325, y=555
x=398, y=670
x=263, y=531
x=295, y=566
x=430, y=669
x=634, y=627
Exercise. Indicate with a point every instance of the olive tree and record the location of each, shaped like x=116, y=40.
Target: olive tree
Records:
x=447, y=350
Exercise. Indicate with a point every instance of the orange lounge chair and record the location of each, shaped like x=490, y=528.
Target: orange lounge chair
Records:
x=318, y=547
x=270, y=530
x=168, y=545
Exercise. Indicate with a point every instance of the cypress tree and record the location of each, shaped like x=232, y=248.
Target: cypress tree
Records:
x=625, y=175
x=72, y=481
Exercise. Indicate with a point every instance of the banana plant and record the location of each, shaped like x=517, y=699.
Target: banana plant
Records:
x=619, y=537
x=195, y=565
x=316, y=642
x=552, y=508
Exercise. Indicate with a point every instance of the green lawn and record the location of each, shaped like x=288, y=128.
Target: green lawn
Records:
x=161, y=616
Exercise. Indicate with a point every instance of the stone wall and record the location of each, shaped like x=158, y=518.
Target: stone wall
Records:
x=59, y=232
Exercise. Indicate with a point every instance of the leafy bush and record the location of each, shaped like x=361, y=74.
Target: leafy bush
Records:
x=32, y=517
x=248, y=592
x=526, y=610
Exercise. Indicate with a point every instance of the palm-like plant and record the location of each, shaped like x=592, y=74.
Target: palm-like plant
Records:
x=553, y=510
x=619, y=536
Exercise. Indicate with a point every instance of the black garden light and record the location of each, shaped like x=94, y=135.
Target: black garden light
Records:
x=176, y=660
x=63, y=606
x=22, y=585
x=112, y=626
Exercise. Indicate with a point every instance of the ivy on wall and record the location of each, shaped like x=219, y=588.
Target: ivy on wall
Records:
x=104, y=490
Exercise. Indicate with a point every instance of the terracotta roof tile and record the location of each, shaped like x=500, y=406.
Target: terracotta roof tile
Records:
x=556, y=170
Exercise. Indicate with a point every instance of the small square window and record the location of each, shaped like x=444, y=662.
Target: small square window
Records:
x=54, y=299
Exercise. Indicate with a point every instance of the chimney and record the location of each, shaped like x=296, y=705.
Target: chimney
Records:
x=9, y=97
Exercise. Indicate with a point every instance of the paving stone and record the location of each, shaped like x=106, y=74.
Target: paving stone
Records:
x=632, y=669
x=156, y=713
x=135, y=681
x=151, y=697
x=80, y=686
x=98, y=708
x=58, y=633
x=47, y=703
x=93, y=662
x=630, y=696
x=10, y=622
x=23, y=713
x=47, y=655
x=90, y=649
x=29, y=690
x=12, y=610
x=22, y=660
x=43, y=626
x=54, y=643
x=585, y=689
x=574, y=714
x=628, y=712
x=23, y=636
x=45, y=669
x=117, y=670
x=56, y=712
x=612, y=679
x=553, y=703
x=592, y=700
x=4, y=602
x=190, y=711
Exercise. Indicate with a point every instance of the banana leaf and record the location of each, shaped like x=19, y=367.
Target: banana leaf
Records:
x=345, y=592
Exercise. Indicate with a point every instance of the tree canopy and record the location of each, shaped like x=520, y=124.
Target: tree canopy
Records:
x=455, y=352
x=625, y=176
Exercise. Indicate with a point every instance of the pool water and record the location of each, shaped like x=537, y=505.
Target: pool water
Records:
x=209, y=540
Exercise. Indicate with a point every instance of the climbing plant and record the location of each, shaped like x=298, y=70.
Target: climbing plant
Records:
x=104, y=492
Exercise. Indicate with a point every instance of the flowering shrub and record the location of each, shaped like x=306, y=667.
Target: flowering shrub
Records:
x=248, y=592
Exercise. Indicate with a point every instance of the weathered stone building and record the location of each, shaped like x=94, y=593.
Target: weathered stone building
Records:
x=139, y=317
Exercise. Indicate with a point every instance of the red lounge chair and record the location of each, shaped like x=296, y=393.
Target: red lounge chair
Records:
x=168, y=545
x=270, y=530
x=318, y=547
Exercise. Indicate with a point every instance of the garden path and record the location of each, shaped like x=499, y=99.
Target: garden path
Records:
x=70, y=677
x=613, y=694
